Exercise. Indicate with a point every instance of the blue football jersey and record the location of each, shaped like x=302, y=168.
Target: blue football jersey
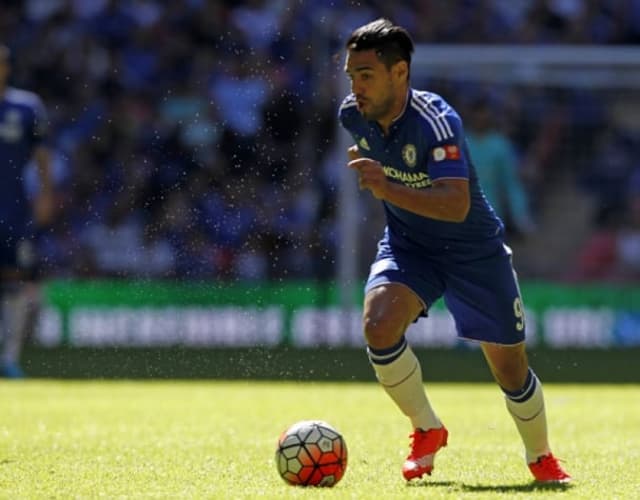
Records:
x=426, y=142
x=23, y=126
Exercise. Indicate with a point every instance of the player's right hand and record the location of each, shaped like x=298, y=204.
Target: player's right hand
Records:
x=371, y=176
x=353, y=153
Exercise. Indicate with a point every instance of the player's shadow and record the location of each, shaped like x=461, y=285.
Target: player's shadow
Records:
x=427, y=483
x=517, y=488
x=497, y=488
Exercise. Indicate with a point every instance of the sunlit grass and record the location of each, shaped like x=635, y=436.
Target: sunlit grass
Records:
x=217, y=440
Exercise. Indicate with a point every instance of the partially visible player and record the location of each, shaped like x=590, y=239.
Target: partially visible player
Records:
x=442, y=239
x=23, y=130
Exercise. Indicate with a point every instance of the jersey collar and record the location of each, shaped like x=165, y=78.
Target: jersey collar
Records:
x=398, y=118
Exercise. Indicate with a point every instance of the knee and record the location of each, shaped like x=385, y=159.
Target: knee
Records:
x=382, y=331
x=388, y=310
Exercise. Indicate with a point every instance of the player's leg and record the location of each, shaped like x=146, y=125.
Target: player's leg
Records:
x=388, y=311
x=484, y=298
x=399, y=289
x=525, y=401
x=523, y=395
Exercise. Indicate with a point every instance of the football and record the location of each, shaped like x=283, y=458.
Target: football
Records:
x=311, y=453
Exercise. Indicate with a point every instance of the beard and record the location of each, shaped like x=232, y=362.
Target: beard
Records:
x=377, y=111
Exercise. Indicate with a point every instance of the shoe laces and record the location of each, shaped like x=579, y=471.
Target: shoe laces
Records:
x=551, y=464
x=419, y=442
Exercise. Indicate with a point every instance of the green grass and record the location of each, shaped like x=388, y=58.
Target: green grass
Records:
x=64, y=439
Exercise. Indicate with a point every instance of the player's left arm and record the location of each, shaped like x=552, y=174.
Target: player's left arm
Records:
x=446, y=200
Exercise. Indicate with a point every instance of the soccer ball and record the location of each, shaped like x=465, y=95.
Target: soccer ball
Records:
x=311, y=453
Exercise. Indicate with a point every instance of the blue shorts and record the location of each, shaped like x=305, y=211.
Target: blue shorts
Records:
x=482, y=294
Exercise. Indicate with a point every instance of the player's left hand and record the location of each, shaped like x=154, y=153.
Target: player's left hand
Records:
x=371, y=176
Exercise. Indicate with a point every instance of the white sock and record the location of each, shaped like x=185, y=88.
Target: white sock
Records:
x=399, y=372
x=526, y=406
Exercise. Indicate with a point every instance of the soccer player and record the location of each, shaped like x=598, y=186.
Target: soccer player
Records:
x=442, y=239
x=23, y=128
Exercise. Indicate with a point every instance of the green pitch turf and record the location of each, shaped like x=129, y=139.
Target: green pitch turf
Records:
x=214, y=440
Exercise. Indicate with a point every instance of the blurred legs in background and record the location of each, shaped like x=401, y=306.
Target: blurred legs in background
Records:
x=20, y=304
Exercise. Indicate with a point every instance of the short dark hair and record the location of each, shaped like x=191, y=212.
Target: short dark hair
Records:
x=392, y=43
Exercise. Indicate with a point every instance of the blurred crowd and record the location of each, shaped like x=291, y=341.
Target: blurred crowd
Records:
x=195, y=138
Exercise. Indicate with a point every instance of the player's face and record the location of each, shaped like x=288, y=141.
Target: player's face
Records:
x=373, y=85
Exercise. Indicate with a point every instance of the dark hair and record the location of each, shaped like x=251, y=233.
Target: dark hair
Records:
x=392, y=43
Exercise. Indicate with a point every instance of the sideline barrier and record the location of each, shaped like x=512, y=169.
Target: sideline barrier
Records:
x=100, y=314
x=320, y=364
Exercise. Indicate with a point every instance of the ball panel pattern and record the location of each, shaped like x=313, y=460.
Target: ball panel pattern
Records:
x=311, y=453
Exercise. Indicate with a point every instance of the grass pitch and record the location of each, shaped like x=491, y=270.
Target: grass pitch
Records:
x=215, y=439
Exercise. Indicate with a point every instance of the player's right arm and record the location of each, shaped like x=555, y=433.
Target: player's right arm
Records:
x=347, y=115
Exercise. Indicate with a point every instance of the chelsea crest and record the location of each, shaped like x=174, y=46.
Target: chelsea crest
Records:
x=409, y=155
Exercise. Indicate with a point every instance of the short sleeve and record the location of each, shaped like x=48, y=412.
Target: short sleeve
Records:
x=347, y=111
x=446, y=153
